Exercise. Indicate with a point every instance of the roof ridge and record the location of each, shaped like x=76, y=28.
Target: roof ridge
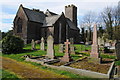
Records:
x=33, y=10
x=50, y=12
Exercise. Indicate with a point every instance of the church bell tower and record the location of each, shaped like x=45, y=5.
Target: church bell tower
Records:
x=71, y=13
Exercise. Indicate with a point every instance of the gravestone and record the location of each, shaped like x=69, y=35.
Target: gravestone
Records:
x=61, y=48
x=50, y=47
x=100, y=41
x=95, y=55
x=42, y=45
x=119, y=71
x=66, y=57
x=117, y=48
x=107, y=44
x=33, y=44
x=72, y=50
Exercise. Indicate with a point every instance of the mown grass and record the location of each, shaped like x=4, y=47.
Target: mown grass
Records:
x=117, y=63
x=71, y=75
x=39, y=52
x=108, y=56
x=6, y=74
x=78, y=48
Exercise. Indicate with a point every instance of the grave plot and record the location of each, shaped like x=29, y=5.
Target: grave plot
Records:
x=49, y=57
x=91, y=66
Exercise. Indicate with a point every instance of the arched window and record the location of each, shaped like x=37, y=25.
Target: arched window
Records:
x=19, y=25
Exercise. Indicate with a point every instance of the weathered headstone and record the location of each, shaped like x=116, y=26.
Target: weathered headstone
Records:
x=42, y=45
x=72, y=50
x=95, y=55
x=33, y=44
x=117, y=48
x=61, y=48
x=71, y=41
x=50, y=47
x=100, y=41
x=107, y=44
x=66, y=57
x=118, y=71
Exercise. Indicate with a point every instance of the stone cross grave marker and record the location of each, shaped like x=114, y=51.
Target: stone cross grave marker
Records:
x=117, y=48
x=72, y=50
x=66, y=57
x=94, y=52
x=42, y=45
x=33, y=44
x=50, y=47
x=61, y=48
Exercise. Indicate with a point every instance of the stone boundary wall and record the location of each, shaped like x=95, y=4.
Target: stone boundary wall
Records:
x=111, y=70
x=80, y=72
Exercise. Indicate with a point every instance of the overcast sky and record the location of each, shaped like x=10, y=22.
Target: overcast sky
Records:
x=9, y=8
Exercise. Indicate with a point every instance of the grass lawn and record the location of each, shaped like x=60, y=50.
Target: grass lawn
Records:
x=28, y=51
x=78, y=47
x=7, y=74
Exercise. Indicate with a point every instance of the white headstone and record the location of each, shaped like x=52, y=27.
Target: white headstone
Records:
x=42, y=45
x=50, y=47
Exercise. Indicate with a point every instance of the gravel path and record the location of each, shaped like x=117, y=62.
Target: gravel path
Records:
x=27, y=70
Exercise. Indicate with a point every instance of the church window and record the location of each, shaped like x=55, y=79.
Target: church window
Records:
x=19, y=25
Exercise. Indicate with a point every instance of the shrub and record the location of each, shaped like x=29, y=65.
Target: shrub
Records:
x=12, y=44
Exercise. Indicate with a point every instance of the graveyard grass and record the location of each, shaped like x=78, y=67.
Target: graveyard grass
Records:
x=8, y=74
x=79, y=48
x=28, y=51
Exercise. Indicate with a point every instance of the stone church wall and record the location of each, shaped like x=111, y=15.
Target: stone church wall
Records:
x=33, y=31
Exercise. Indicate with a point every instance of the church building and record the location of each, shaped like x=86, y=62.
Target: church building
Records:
x=34, y=24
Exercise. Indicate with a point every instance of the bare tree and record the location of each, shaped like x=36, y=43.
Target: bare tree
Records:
x=116, y=15
x=107, y=16
x=117, y=22
x=88, y=19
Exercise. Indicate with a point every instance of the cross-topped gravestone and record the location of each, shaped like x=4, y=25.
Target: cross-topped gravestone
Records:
x=33, y=44
x=94, y=52
x=117, y=48
x=72, y=50
x=42, y=45
x=61, y=48
x=67, y=46
x=66, y=57
x=50, y=47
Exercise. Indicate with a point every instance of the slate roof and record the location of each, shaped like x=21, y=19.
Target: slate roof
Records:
x=34, y=15
x=49, y=13
x=71, y=24
x=50, y=20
